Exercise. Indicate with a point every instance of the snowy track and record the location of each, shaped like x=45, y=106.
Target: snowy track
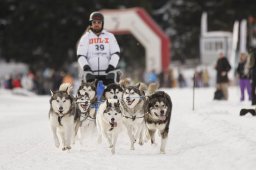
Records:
x=213, y=136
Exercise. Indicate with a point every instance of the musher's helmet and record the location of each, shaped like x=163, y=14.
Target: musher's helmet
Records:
x=96, y=16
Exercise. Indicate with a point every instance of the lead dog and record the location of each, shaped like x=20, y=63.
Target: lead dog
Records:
x=109, y=122
x=158, y=109
x=62, y=118
x=132, y=103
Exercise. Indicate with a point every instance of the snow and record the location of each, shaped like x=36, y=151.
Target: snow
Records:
x=211, y=137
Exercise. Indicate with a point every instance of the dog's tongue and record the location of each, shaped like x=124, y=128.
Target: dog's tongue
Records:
x=84, y=106
x=129, y=102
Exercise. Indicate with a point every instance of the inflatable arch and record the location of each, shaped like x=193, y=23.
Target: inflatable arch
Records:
x=137, y=22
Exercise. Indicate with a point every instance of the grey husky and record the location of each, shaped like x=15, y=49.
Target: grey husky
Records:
x=158, y=109
x=62, y=118
x=132, y=103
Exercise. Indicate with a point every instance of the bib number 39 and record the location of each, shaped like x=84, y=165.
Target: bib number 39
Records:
x=99, y=47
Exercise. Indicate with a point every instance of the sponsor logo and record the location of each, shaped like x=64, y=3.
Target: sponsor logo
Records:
x=98, y=40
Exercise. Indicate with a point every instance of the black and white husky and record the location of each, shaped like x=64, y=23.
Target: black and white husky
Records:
x=132, y=103
x=62, y=118
x=87, y=117
x=109, y=122
x=113, y=91
x=158, y=109
x=89, y=88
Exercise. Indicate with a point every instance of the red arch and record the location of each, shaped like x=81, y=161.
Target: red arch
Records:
x=165, y=41
x=165, y=50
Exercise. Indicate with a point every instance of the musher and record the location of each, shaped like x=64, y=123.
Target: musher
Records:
x=98, y=52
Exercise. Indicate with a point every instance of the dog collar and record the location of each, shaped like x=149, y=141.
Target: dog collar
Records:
x=132, y=117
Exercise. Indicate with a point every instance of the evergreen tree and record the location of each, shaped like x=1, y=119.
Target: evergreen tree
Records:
x=46, y=31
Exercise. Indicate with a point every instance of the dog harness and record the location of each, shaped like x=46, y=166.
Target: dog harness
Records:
x=132, y=117
x=86, y=116
x=59, y=120
x=129, y=111
x=112, y=125
x=60, y=117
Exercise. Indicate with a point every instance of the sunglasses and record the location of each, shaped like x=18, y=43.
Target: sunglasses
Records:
x=97, y=22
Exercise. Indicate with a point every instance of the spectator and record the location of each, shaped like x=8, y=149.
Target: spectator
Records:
x=16, y=83
x=152, y=77
x=27, y=81
x=243, y=74
x=8, y=82
x=205, y=78
x=222, y=67
x=252, y=66
x=181, y=80
x=198, y=78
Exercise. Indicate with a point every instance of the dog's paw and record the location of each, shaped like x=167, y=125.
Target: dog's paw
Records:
x=162, y=151
x=132, y=147
x=66, y=148
x=141, y=143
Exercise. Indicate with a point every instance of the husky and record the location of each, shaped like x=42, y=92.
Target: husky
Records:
x=113, y=91
x=158, y=109
x=89, y=88
x=132, y=102
x=66, y=87
x=109, y=122
x=87, y=117
x=62, y=118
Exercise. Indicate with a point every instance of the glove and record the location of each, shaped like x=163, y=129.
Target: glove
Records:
x=87, y=68
x=110, y=68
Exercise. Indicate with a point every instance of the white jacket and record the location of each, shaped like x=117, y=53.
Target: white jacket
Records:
x=98, y=51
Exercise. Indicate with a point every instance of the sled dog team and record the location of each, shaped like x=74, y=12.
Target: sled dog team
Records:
x=141, y=109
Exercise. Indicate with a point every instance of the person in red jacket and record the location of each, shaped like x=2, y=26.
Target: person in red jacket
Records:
x=16, y=82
